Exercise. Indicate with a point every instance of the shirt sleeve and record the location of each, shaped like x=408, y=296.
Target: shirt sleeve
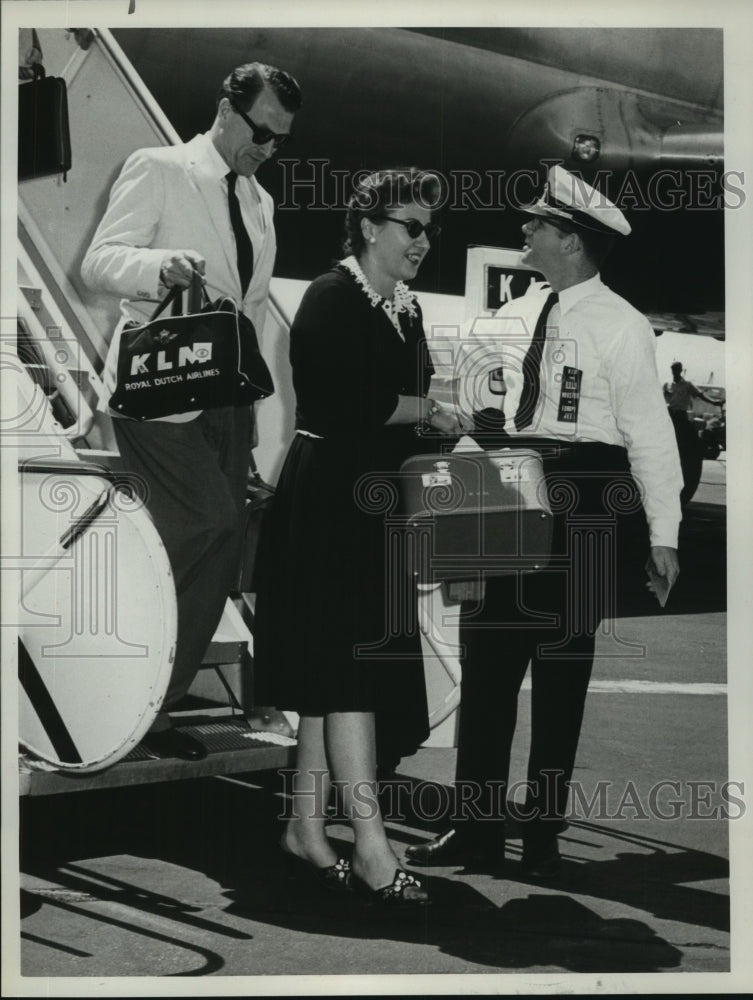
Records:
x=120, y=259
x=642, y=418
x=341, y=389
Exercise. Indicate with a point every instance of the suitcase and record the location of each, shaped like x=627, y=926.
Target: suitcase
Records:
x=44, y=142
x=476, y=514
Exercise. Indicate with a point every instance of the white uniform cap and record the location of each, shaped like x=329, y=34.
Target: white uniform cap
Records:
x=569, y=198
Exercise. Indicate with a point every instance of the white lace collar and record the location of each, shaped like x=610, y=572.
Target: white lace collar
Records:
x=402, y=301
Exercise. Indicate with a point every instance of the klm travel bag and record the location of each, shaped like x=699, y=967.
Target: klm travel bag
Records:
x=202, y=360
x=44, y=141
x=476, y=514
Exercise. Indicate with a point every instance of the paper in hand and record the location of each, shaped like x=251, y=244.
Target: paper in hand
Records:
x=658, y=584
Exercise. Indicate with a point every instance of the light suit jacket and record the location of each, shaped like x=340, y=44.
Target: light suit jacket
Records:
x=166, y=199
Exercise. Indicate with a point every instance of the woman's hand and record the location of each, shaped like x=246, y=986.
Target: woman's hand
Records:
x=443, y=420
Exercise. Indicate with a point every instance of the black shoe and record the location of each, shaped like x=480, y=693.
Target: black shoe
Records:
x=453, y=848
x=334, y=877
x=403, y=890
x=542, y=860
x=173, y=743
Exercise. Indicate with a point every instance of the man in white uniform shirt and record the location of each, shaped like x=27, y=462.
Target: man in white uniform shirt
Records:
x=173, y=210
x=568, y=369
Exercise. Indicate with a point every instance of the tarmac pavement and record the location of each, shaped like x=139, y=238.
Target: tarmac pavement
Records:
x=185, y=879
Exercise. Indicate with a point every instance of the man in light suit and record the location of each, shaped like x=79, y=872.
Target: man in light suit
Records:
x=173, y=210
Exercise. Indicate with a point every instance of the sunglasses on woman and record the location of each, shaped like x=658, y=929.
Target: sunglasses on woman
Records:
x=260, y=136
x=414, y=227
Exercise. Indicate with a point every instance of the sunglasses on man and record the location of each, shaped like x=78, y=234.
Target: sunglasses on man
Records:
x=259, y=135
x=538, y=220
x=413, y=226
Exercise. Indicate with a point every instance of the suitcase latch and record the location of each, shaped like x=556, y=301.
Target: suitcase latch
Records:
x=440, y=477
x=512, y=472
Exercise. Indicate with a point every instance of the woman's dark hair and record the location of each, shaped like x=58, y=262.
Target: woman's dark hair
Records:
x=375, y=194
x=246, y=82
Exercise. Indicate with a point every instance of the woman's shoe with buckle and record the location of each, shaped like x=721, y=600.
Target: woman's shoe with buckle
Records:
x=335, y=878
x=403, y=890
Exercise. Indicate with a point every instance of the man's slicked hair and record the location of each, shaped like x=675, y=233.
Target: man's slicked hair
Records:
x=246, y=82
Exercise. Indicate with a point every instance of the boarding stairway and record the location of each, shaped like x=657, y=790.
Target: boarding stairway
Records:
x=57, y=354
x=58, y=348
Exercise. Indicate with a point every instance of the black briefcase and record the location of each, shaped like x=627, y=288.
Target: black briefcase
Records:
x=476, y=514
x=44, y=140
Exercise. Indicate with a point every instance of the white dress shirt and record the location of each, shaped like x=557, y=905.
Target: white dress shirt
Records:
x=254, y=219
x=599, y=382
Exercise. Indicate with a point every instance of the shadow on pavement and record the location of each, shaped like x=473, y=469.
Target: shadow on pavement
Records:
x=650, y=875
x=533, y=932
x=77, y=903
x=229, y=832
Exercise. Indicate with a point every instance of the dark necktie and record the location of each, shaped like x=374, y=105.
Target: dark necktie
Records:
x=529, y=397
x=244, y=249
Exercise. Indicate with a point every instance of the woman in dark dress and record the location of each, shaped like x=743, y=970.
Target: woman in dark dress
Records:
x=336, y=639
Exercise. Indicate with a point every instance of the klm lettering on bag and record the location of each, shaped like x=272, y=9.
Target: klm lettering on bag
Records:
x=195, y=354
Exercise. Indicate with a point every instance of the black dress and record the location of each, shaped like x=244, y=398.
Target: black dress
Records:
x=336, y=609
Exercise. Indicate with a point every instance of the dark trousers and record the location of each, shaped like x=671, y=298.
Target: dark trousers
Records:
x=193, y=477
x=548, y=619
x=690, y=448
x=500, y=640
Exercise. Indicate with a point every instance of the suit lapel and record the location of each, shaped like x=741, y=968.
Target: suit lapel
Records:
x=212, y=191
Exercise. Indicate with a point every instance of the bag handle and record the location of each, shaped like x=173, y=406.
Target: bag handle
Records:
x=30, y=50
x=197, y=293
x=173, y=293
x=197, y=297
x=37, y=67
